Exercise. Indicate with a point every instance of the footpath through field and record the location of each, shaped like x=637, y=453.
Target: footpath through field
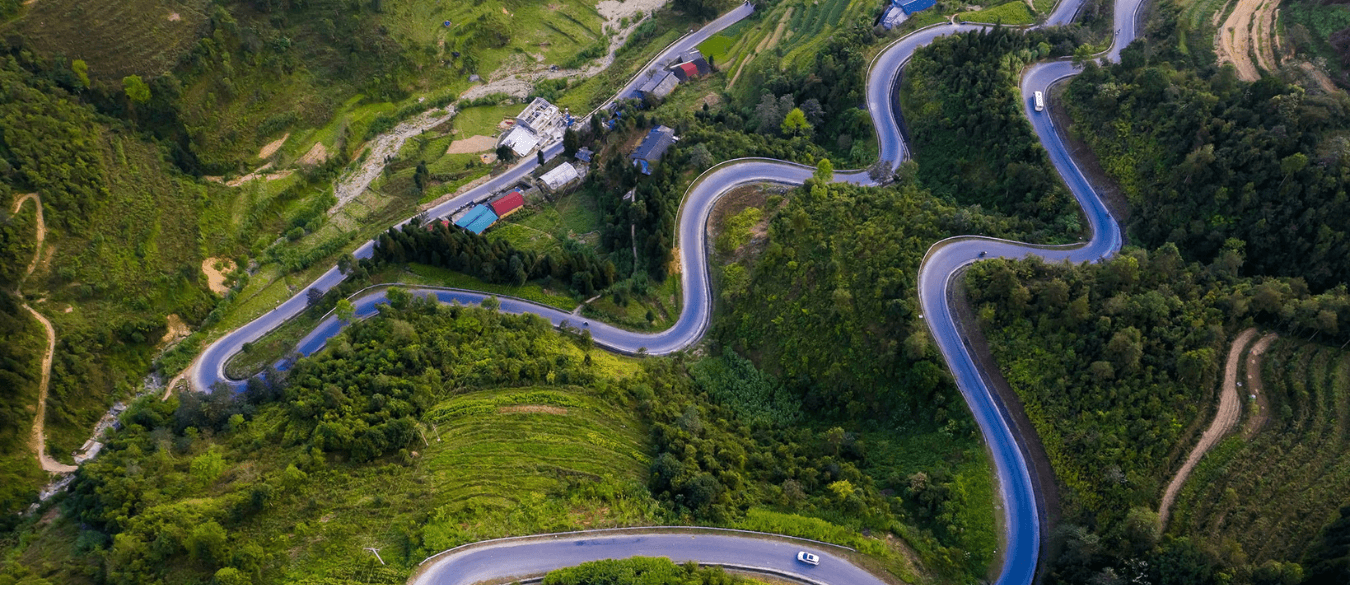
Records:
x=38, y=440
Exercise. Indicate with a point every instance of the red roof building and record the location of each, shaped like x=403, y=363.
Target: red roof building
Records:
x=690, y=70
x=508, y=204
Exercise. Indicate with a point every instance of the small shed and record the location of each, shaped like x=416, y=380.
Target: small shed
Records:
x=584, y=154
x=508, y=204
x=653, y=147
x=478, y=219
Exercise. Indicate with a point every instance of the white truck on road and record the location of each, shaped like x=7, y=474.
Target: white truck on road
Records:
x=1040, y=101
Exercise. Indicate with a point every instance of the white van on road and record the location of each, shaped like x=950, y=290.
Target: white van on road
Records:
x=1040, y=101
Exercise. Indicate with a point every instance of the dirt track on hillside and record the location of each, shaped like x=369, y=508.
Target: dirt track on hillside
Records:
x=1250, y=26
x=38, y=441
x=1230, y=408
x=1255, y=387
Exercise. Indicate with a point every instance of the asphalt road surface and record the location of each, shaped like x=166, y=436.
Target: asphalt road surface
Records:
x=517, y=559
x=944, y=260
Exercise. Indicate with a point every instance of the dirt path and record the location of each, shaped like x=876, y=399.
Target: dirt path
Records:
x=38, y=441
x=385, y=145
x=1230, y=408
x=1235, y=40
x=1255, y=387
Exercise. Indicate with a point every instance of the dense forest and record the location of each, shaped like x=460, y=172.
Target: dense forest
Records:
x=1117, y=365
x=1204, y=158
x=971, y=140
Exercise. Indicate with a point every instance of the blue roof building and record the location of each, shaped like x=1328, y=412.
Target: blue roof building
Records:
x=478, y=219
x=912, y=6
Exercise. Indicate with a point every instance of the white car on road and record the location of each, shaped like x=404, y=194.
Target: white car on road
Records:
x=808, y=558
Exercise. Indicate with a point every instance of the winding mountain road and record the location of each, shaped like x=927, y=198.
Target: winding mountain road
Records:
x=944, y=261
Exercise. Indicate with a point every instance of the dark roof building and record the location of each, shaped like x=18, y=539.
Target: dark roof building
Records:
x=508, y=204
x=653, y=147
x=584, y=154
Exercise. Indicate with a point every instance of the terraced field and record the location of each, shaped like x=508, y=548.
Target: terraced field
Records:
x=1273, y=492
x=491, y=449
x=792, y=33
x=115, y=37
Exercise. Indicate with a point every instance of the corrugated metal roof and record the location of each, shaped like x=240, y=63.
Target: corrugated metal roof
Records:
x=510, y=202
x=655, y=144
x=520, y=140
x=560, y=175
x=478, y=219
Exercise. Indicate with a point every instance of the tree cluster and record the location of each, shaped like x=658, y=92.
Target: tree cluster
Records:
x=494, y=261
x=971, y=140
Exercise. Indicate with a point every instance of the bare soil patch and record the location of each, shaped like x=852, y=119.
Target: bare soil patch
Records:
x=173, y=16
x=216, y=270
x=272, y=147
x=533, y=408
x=1230, y=408
x=477, y=143
x=177, y=330
x=317, y=154
x=1237, y=37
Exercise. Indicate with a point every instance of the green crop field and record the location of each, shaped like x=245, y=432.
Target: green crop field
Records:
x=1009, y=13
x=716, y=48
x=1273, y=493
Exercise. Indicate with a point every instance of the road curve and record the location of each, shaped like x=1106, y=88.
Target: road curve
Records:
x=515, y=559
x=943, y=261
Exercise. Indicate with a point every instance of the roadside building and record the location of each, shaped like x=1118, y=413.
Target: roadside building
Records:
x=508, y=204
x=560, y=177
x=541, y=123
x=659, y=86
x=478, y=219
x=520, y=140
x=539, y=116
x=653, y=147
x=693, y=69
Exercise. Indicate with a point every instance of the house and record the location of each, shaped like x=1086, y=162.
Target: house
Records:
x=659, y=86
x=653, y=147
x=560, y=176
x=508, y=204
x=691, y=70
x=478, y=219
x=584, y=154
x=520, y=140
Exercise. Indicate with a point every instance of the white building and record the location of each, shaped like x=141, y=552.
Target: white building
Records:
x=520, y=140
x=560, y=176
